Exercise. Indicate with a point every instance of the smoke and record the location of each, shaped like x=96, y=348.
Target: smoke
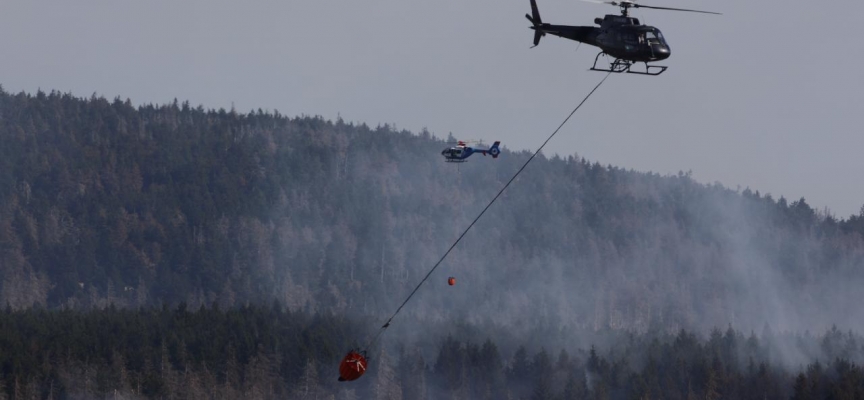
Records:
x=571, y=249
x=590, y=377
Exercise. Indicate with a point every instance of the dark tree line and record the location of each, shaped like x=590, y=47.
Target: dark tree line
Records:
x=248, y=352
x=270, y=352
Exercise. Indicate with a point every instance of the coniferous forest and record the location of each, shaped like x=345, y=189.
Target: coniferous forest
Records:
x=169, y=251
x=262, y=352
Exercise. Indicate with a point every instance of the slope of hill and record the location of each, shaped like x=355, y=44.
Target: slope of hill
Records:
x=102, y=202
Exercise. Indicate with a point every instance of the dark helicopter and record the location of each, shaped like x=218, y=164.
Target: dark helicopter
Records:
x=619, y=36
x=462, y=151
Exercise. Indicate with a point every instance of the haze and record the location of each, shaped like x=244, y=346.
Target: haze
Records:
x=765, y=96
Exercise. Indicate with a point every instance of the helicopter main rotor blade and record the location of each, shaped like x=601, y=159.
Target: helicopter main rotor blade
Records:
x=637, y=5
x=628, y=4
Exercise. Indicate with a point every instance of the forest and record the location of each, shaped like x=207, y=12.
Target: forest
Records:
x=266, y=352
x=133, y=218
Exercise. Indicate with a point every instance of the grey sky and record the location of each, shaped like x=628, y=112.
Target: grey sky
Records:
x=768, y=95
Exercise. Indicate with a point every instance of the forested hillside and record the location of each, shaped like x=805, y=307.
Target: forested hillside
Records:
x=102, y=202
x=270, y=353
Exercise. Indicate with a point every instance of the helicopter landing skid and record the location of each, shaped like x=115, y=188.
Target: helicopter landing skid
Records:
x=619, y=65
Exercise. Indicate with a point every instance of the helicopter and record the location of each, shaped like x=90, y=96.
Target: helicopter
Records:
x=460, y=152
x=619, y=36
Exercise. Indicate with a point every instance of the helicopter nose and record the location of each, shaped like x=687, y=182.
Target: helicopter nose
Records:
x=662, y=52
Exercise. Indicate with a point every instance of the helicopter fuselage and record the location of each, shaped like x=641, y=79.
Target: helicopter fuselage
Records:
x=461, y=152
x=618, y=36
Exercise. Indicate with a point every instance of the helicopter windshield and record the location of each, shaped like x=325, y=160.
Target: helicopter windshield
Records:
x=652, y=38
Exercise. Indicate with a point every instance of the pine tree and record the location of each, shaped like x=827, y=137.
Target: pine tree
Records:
x=307, y=388
x=413, y=375
x=169, y=377
x=541, y=366
x=563, y=363
x=712, y=387
x=32, y=391
x=121, y=374
x=575, y=388
x=233, y=381
x=450, y=364
x=802, y=389
x=386, y=386
x=519, y=374
x=490, y=376
x=543, y=389
x=519, y=367
x=600, y=392
x=261, y=375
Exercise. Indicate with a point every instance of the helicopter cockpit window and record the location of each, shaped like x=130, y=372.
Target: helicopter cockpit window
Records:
x=651, y=37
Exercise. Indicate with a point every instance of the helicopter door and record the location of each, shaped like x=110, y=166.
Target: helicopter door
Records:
x=630, y=41
x=645, y=41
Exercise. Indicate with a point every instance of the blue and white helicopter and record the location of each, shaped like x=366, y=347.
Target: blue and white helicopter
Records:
x=460, y=152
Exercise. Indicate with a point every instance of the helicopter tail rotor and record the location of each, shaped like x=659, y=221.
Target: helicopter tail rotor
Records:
x=535, y=13
x=537, y=35
x=536, y=23
x=494, y=151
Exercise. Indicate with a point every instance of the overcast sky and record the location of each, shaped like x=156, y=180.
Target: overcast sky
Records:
x=769, y=95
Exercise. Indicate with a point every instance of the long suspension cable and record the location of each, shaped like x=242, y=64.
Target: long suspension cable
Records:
x=387, y=324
